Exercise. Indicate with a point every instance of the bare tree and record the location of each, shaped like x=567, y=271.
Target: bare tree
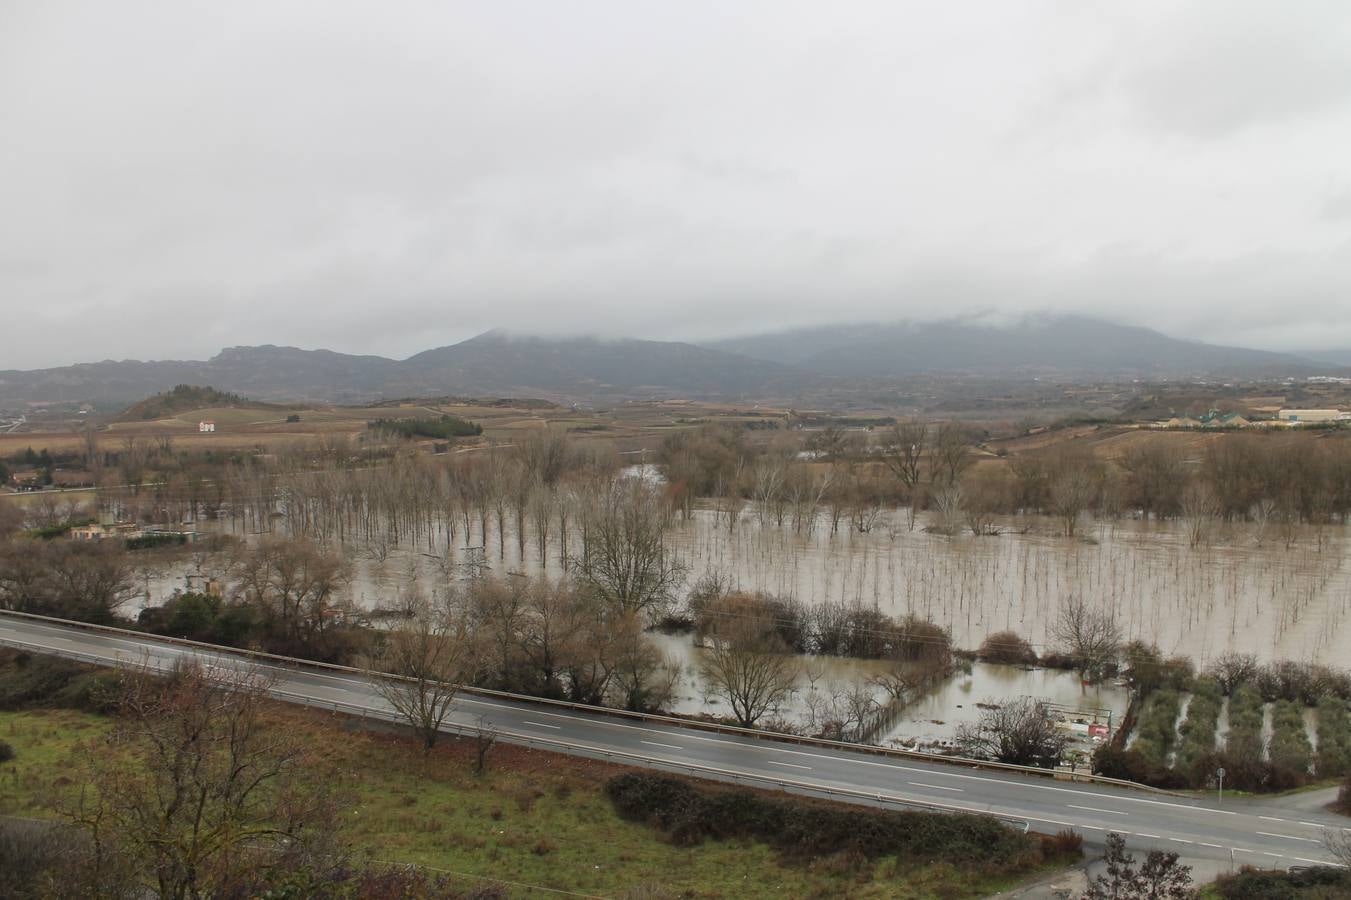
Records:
x=903, y=448
x=1018, y=731
x=1072, y=491
x=748, y=665
x=1199, y=509
x=214, y=790
x=485, y=736
x=1160, y=878
x=626, y=561
x=1338, y=843
x=951, y=454
x=1091, y=636
x=420, y=666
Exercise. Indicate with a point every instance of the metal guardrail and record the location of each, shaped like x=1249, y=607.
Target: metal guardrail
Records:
x=891, y=752
x=736, y=776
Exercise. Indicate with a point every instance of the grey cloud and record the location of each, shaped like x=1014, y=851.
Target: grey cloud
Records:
x=385, y=178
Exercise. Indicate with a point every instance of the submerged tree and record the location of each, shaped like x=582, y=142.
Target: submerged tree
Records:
x=748, y=665
x=1091, y=636
x=625, y=560
x=1018, y=732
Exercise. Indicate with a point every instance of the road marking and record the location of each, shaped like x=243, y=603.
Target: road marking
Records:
x=1320, y=862
x=667, y=746
x=1110, y=812
x=937, y=787
x=1273, y=819
x=1181, y=840
x=1143, y=835
x=1216, y=846
x=1289, y=837
x=541, y=725
x=1317, y=825
x=789, y=765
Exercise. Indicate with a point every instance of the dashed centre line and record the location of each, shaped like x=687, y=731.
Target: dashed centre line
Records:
x=656, y=744
x=1289, y=837
x=936, y=787
x=542, y=725
x=1110, y=812
x=789, y=765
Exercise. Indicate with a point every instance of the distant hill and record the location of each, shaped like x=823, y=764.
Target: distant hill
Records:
x=185, y=397
x=784, y=366
x=496, y=363
x=1038, y=345
x=492, y=365
x=1340, y=358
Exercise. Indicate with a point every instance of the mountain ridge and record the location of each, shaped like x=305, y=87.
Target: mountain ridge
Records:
x=773, y=365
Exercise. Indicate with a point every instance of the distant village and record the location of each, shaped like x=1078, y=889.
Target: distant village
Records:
x=1285, y=418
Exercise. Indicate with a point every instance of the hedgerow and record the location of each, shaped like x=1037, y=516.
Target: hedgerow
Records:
x=806, y=829
x=1198, y=729
x=1156, y=730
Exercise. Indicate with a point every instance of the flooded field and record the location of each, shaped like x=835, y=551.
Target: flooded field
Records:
x=1274, y=601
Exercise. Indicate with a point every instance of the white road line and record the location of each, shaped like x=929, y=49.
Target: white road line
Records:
x=790, y=765
x=541, y=725
x=1181, y=840
x=1143, y=835
x=1216, y=846
x=1110, y=812
x=1273, y=819
x=1289, y=837
x=1321, y=862
x=937, y=787
x=667, y=746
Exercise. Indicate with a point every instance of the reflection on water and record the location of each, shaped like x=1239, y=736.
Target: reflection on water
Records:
x=1275, y=602
x=935, y=717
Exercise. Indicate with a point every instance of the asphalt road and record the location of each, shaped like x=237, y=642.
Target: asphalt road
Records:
x=1246, y=831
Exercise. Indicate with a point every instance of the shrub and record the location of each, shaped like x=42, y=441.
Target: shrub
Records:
x=1131, y=765
x=1008, y=648
x=6, y=752
x=28, y=681
x=1334, y=737
x=1290, y=750
x=1063, y=845
x=1198, y=729
x=1156, y=730
x=1266, y=884
x=806, y=829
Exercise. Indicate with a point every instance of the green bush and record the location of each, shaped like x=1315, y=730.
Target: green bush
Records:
x=807, y=829
x=6, y=752
x=1290, y=750
x=1156, y=728
x=1198, y=729
x=1334, y=737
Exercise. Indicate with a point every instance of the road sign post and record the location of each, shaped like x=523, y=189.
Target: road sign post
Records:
x=1219, y=773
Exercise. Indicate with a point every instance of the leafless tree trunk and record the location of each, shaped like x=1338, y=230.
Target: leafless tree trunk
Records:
x=421, y=664
x=1091, y=636
x=212, y=790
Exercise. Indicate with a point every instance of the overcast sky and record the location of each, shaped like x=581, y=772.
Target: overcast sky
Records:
x=384, y=177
